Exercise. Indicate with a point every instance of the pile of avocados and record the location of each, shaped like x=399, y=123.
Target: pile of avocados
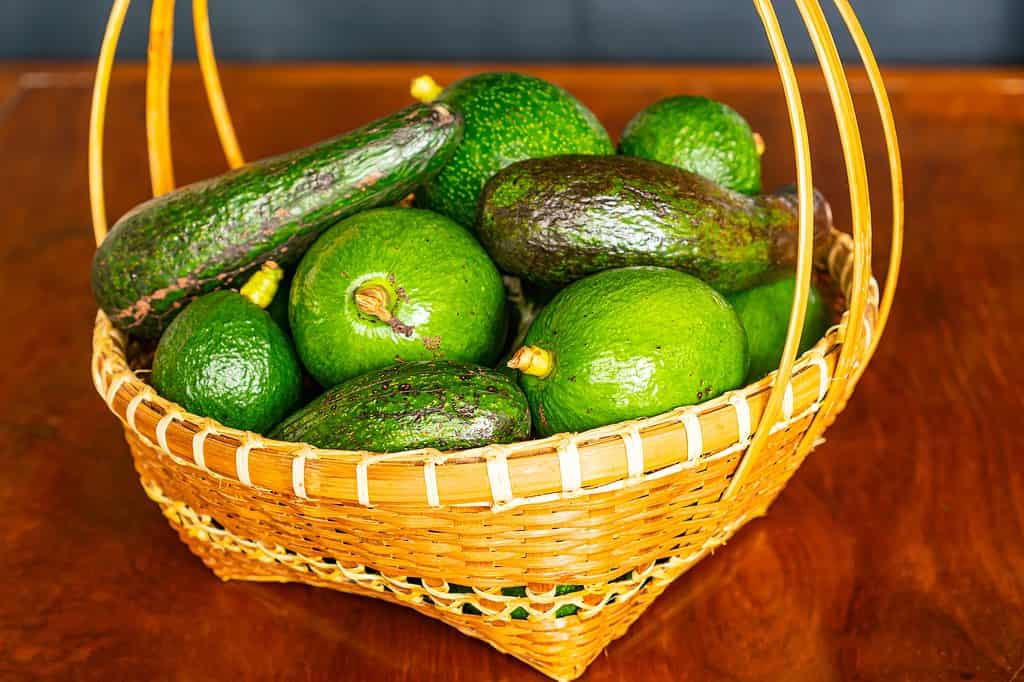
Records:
x=356, y=294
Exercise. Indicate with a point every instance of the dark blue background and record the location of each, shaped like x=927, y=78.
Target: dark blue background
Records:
x=902, y=31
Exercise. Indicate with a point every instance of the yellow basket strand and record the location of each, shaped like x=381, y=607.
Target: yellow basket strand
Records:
x=805, y=190
x=158, y=76
x=214, y=91
x=97, y=117
x=860, y=205
x=895, y=173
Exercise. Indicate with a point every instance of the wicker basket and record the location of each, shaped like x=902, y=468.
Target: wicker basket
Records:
x=488, y=539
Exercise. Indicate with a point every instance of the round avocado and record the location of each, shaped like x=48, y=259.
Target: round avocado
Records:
x=225, y=358
x=699, y=135
x=628, y=343
x=508, y=117
x=764, y=311
x=395, y=285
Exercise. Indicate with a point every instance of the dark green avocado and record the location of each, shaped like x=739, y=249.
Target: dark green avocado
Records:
x=443, y=405
x=225, y=358
x=554, y=220
x=509, y=117
x=215, y=233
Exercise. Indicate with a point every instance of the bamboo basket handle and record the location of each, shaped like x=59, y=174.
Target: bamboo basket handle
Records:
x=805, y=185
x=211, y=80
x=97, y=117
x=160, y=56
x=856, y=171
x=867, y=56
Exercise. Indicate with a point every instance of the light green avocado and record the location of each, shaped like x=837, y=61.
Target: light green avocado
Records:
x=764, y=311
x=395, y=285
x=699, y=135
x=628, y=343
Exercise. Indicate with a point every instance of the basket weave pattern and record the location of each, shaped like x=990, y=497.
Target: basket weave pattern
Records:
x=546, y=549
x=622, y=542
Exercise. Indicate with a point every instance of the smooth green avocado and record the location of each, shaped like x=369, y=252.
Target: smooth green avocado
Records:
x=225, y=358
x=395, y=285
x=508, y=117
x=628, y=343
x=700, y=135
x=764, y=311
x=443, y=405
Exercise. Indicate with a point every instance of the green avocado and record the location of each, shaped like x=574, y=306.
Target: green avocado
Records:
x=764, y=311
x=395, y=285
x=443, y=405
x=699, y=135
x=215, y=233
x=628, y=343
x=554, y=220
x=508, y=117
x=225, y=358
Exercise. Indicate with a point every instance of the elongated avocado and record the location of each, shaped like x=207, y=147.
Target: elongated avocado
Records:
x=215, y=233
x=554, y=220
x=443, y=405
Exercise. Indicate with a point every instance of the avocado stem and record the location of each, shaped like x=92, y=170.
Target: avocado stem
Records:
x=261, y=287
x=532, y=360
x=374, y=300
x=759, y=144
x=425, y=89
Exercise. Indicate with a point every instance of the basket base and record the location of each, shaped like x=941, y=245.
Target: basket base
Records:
x=540, y=644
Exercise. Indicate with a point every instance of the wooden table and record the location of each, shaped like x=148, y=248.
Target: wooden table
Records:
x=897, y=552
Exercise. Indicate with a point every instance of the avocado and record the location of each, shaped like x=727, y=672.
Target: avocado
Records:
x=764, y=311
x=554, y=220
x=443, y=405
x=395, y=285
x=628, y=343
x=699, y=135
x=225, y=358
x=213, y=234
x=509, y=117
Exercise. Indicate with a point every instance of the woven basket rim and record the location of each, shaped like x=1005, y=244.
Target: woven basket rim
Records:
x=428, y=476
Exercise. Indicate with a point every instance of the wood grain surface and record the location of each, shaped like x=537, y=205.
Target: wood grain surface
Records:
x=896, y=553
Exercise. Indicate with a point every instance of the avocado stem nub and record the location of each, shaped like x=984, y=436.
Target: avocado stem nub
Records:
x=532, y=360
x=425, y=89
x=375, y=300
x=261, y=287
x=759, y=144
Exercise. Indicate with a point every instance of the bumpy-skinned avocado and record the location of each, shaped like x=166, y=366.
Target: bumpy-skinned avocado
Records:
x=215, y=233
x=551, y=221
x=443, y=405
x=225, y=358
x=395, y=285
x=764, y=311
x=699, y=135
x=629, y=343
x=509, y=117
